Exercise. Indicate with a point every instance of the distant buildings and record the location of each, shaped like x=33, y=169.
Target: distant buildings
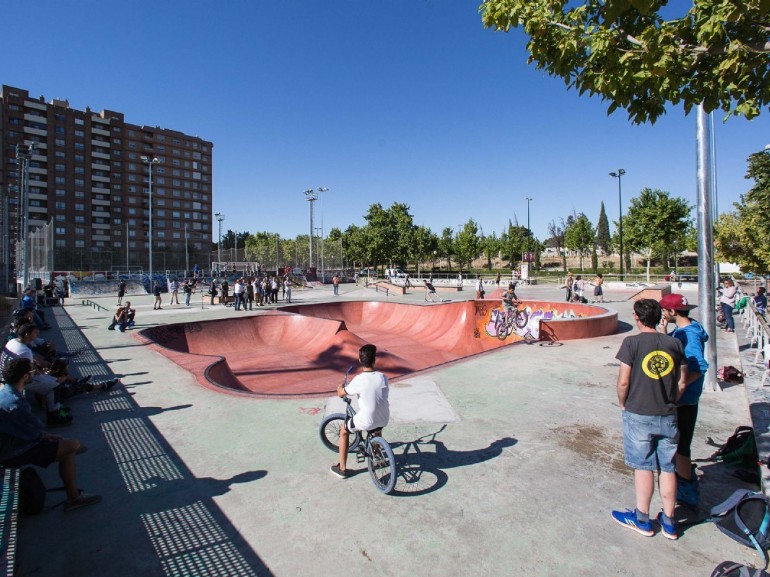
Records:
x=86, y=174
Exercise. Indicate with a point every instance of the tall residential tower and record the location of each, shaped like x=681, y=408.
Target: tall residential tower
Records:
x=89, y=173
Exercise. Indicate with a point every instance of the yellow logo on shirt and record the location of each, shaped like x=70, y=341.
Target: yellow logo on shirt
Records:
x=657, y=364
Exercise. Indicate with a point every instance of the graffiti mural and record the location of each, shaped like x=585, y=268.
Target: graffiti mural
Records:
x=521, y=323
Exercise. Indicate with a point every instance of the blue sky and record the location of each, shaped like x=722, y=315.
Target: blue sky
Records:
x=407, y=101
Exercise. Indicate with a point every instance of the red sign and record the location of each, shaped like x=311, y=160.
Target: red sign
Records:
x=528, y=257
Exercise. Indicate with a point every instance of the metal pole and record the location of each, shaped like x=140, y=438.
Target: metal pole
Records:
x=149, y=161
x=619, y=175
x=186, y=253
x=220, y=218
x=529, y=235
x=128, y=270
x=706, y=297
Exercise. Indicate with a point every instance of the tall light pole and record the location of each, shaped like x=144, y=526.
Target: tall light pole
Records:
x=619, y=175
x=311, y=197
x=319, y=232
x=220, y=217
x=150, y=161
x=529, y=235
x=23, y=155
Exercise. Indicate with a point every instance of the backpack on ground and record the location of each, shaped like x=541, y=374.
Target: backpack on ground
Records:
x=739, y=448
x=32, y=493
x=745, y=517
x=730, y=374
x=733, y=569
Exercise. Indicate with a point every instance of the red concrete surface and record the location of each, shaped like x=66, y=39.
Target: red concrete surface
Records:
x=304, y=350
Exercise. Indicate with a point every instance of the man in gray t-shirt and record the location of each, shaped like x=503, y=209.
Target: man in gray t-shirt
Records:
x=652, y=377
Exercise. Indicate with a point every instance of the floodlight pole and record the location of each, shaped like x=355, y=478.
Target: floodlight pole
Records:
x=619, y=175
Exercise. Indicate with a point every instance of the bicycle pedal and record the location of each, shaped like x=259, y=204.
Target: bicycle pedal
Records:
x=360, y=457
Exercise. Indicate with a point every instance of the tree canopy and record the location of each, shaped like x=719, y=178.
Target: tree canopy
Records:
x=655, y=224
x=627, y=52
x=743, y=236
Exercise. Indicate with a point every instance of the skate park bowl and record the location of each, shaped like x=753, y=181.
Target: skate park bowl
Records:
x=303, y=350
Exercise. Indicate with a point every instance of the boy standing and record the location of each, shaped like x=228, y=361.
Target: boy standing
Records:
x=676, y=310
x=652, y=377
x=373, y=408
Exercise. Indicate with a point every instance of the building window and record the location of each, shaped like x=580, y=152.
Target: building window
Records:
x=61, y=230
x=80, y=243
x=61, y=206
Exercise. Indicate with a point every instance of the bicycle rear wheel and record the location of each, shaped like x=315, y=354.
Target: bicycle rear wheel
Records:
x=329, y=431
x=382, y=465
x=522, y=317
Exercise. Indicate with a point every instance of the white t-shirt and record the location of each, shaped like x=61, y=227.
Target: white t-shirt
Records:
x=371, y=387
x=19, y=349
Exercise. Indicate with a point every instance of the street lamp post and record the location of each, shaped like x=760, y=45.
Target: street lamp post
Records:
x=311, y=197
x=529, y=235
x=619, y=174
x=220, y=217
x=150, y=161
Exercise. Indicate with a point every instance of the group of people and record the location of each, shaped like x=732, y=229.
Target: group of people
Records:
x=576, y=288
x=248, y=291
x=659, y=385
x=30, y=368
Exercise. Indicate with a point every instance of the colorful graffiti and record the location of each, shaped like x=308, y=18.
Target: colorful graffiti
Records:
x=524, y=324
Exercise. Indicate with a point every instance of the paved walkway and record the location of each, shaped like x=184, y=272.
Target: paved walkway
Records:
x=510, y=462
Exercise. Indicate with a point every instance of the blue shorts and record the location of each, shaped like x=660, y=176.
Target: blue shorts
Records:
x=650, y=442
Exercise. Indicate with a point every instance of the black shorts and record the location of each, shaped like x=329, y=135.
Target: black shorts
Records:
x=42, y=454
x=686, y=415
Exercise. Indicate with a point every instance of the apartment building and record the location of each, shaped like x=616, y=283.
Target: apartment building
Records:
x=89, y=175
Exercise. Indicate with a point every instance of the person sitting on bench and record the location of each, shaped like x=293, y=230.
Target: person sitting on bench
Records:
x=23, y=440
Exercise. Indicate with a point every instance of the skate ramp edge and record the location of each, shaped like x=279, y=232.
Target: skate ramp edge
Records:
x=302, y=350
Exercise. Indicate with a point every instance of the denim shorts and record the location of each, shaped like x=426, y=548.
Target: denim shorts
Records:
x=650, y=442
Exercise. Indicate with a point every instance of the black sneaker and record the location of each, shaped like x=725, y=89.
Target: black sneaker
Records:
x=339, y=473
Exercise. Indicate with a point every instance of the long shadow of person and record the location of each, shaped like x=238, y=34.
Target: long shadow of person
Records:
x=422, y=471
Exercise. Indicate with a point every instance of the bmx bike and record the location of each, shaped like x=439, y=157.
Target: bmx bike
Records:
x=505, y=322
x=368, y=446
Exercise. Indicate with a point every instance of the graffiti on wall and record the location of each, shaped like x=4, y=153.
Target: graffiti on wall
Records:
x=516, y=324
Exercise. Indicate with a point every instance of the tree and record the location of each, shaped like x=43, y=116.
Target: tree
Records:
x=579, y=235
x=467, y=243
x=655, y=223
x=425, y=243
x=603, y=239
x=557, y=239
x=490, y=246
x=446, y=246
x=626, y=52
x=743, y=236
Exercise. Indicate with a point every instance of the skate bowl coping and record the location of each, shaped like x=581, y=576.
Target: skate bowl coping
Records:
x=303, y=350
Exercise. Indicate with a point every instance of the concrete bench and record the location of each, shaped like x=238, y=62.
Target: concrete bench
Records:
x=9, y=515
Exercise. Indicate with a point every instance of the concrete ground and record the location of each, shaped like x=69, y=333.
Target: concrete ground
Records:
x=510, y=462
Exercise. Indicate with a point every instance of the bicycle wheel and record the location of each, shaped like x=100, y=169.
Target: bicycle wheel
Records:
x=521, y=319
x=382, y=465
x=502, y=331
x=329, y=431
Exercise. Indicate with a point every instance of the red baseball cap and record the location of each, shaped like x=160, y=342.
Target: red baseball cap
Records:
x=676, y=302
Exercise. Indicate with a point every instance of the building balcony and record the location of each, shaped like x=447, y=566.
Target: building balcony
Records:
x=99, y=131
x=101, y=226
x=100, y=178
x=100, y=120
x=102, y=143
x=99, y=190
x=100, y=236
x=98, y=166
x=35, y=105
x=36, y=170
x=35, y=131
x=99, y=202
x=35, y=118
x=36, y=196
x=100, y=155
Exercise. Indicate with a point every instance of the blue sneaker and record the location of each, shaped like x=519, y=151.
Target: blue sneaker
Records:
x=628, y=519
x=687, y=493
x=669, y=531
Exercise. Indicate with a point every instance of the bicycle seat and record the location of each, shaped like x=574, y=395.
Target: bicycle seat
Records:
x=377, y=431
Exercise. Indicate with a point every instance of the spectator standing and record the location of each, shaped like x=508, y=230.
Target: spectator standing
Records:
x=693, y=337
x=213, y=291
x=336, y=284
x=225, y=288
x=158, y=299
x=238, y=293
x=569, y=284
x=479, y=287
x=287, y=288
x=652, y=377
x=121, y=291
x=274, y=289
x=174, y=291
x=727, y=300
x=187, y=289
x=249, y=294
x=598, y=288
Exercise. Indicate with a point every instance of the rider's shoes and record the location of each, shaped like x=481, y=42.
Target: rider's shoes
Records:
x=336, y=471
